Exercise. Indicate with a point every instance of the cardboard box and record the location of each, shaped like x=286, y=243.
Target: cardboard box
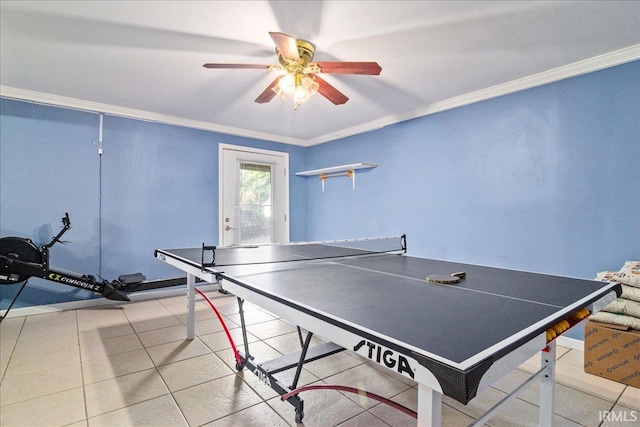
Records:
x=612, y=352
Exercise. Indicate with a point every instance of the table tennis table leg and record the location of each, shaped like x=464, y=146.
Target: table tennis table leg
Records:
x=429, y=407
x=547, y=384
x=191, y=306
x=243, y=325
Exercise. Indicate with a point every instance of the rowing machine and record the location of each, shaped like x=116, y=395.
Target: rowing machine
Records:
x=20, y=259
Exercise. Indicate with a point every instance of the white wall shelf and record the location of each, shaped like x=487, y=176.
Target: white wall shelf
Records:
x=335, y=171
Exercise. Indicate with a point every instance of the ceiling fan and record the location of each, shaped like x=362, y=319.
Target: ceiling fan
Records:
x=299, y=75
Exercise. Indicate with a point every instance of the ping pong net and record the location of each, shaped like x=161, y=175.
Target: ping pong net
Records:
x=268, y=253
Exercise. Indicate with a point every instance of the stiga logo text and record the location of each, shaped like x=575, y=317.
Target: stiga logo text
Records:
x=386, y=357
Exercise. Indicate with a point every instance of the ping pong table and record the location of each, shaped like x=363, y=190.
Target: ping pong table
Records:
x=369, y=297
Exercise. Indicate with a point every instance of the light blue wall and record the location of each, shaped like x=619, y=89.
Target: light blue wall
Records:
x=544, y=180
x=160, y=189
x=158, y=185
x=47, y=168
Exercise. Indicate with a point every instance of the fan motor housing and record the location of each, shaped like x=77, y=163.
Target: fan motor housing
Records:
x=306, y=50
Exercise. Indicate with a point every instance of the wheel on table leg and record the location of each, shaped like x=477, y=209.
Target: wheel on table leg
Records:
x=299, y=416
x=239, y=367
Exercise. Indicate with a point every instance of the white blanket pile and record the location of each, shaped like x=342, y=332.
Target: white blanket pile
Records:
x=624, y=311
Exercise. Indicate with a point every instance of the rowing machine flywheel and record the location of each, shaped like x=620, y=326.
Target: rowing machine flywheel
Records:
x=17, y=248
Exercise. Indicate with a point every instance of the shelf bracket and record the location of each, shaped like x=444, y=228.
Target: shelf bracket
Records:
x=345, y=170
x=350, y=173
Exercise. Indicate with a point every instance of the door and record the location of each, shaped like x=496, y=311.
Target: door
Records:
x=254, y=196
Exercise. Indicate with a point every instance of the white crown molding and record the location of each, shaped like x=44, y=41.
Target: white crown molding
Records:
x=607, y=60
x=96, y=107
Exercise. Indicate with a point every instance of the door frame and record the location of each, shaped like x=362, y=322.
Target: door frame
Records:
x=284, y=155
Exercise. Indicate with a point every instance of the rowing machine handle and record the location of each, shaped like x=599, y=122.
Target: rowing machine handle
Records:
x=66, y=222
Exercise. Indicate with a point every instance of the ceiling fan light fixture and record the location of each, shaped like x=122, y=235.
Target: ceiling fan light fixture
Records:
x=306, y=88
x=309, y=85
x=298, y=74
x=300, y=86
x=286, y=85
x=299, y=96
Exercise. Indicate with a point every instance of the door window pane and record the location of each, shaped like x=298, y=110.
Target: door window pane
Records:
x=255, y=203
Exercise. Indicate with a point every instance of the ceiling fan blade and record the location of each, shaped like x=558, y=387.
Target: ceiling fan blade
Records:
x=369, y=68
x=258, y=66
x=286, y=45
x=330, y=92
x=268, y=93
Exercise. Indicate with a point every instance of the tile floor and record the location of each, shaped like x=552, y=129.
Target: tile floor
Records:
x=130, y=365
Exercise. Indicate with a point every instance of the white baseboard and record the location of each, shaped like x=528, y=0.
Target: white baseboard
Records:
x=572, y=343
x=98, y=302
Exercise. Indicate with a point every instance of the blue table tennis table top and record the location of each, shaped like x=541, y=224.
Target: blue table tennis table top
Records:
x=386, y=295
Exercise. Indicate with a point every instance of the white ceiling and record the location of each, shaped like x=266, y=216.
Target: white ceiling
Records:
x=144, y=58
